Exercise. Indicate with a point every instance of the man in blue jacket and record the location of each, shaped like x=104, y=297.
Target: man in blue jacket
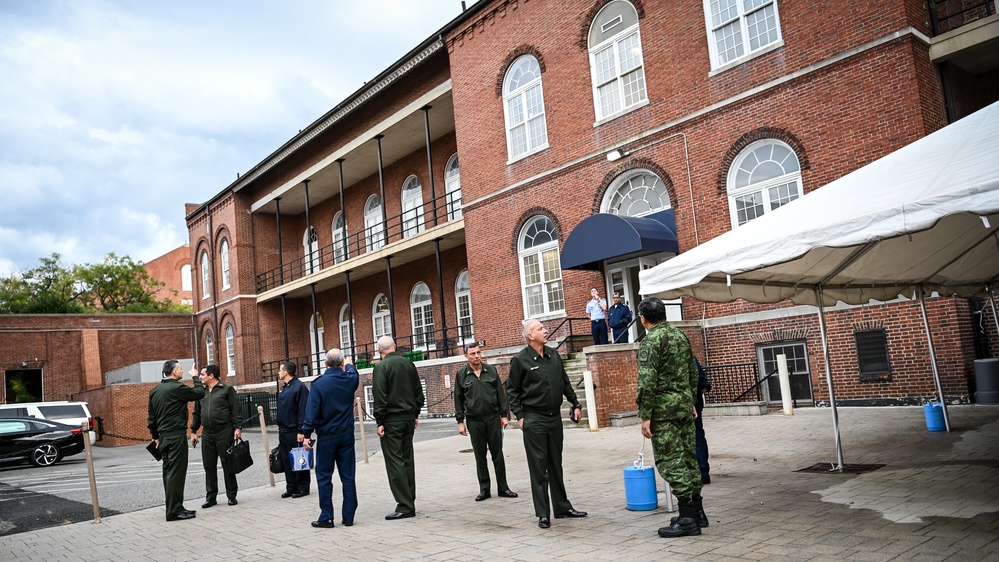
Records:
x=292, y=400
x=330, y=413
x=620, y=317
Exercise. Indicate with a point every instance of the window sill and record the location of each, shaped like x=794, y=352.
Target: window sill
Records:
x=746, y=58
x=526, y=154
x=625, y=111
x=549, y=316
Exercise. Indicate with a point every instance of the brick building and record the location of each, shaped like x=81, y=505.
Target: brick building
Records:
x=596, y=138
x=174, y=270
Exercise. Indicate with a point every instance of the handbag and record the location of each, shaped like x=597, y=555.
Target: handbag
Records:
x=301, y=459
x=239, y=456
x=274, y=459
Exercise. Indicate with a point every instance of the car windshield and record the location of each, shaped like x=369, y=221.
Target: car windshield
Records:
x=62, y=411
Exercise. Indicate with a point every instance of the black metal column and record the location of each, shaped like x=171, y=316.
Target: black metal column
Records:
x=440, y=290
x=430, y=162
x=211, y=284
x=381, y=190
x=308, y=226
x=284, y=326
x=315, y=324
x=350, y=325
x=388, y=270
x=343, y=214
x=277, y=201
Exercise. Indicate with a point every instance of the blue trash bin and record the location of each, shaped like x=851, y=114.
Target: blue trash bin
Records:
x=640, y=488
x=934, y=416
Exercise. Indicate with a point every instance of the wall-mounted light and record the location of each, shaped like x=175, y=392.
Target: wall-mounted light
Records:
x=616, y=155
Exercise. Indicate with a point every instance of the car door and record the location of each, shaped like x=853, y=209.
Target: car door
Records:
x=16, y=436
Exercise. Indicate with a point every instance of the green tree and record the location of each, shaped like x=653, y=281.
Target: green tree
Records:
x=46, y=289
x=118, y=284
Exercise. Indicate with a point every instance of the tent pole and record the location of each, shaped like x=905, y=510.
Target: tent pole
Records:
x=829, y=382
x=992, y=301
x=933, y=356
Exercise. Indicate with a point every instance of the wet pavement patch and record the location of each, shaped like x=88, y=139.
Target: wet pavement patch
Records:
x=830, y=468
x=24, y=510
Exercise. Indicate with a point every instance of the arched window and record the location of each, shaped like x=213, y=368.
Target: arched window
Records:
x=317, y=341
x=224, y=257
x=230, y=350
x=340, y=251
x=310, y=244
x=412, y=207
x=186, y=282
x=380, y=319
x=204, y=276
x=764, y=176
x=739, y=29
x=209, y=347
x=463, y=303
x=634, y=194
x=346, y=328
x=524, y=108
x=452, y=186
x=616, y=61
x=374, y=232
x=421, y=308
x=540, y=270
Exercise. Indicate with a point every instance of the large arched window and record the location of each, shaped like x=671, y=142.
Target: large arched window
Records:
x=421, y=307
x=374, y=232
x=463, y=304
x=540, y=270
x=204, y=276
x=346, y=329
x=616, y=61
x=452, y=186
x=185, y=278
x=209, y=347
x=224, y=258
x=412, y=207
x=310, y=244
x=340, y=251
x=380, y=319
x=763, y=177
x=636, y=193
x=317, y=341
x=524, y=108
x=230, y=350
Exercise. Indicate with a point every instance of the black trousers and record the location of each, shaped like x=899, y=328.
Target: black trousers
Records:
x=488, y=434
x=543, y=444
x=294, y=480
x=397, y=449
x=173, y=447
x=213, y=449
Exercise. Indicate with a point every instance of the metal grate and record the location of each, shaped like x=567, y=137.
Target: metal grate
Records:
x=830, y=468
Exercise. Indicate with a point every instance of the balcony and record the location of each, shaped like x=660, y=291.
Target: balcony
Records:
x=966, y=33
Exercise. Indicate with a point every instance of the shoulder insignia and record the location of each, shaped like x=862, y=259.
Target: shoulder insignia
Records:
x=643, y=354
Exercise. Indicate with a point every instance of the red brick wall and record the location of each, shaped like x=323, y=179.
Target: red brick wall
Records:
x=124, y=409
x=615, y=380
x=167, y=268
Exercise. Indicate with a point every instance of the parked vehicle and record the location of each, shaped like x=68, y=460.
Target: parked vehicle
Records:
x=69, y=413
x=41, y=442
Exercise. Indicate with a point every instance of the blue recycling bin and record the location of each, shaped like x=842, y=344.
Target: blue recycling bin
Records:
x=640, y=488
x=934, y=416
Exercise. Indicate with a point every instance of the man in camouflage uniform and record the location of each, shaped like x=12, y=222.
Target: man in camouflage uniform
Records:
x=667, y=386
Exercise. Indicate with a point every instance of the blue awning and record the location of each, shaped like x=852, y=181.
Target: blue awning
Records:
x=605, y=236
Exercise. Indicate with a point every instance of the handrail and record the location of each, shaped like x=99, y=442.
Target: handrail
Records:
x=940, y=19
x=756, y=386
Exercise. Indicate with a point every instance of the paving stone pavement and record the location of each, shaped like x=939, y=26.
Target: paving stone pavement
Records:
x=936, y=498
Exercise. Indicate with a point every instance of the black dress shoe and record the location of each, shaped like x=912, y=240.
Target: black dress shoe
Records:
x=570, y=513
x=328, y=524
x=299, y=494
x=232, y=501
x=705, y=479
x=189, y=511
x=507, y=494
x=182, y=516
x=347, y=524
x=544, y=522
x=399, y=515
x=483, y=495
x=208, y=504
x=287, y=495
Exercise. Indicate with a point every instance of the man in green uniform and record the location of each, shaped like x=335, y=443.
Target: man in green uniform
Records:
x=536, y=386
x=667, y=386
x=398, y=400
x=480, y=401
x=219, y=413
x=168, y=425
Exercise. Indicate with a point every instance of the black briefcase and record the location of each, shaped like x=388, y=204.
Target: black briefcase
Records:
x=239, y=456
x=274, y=459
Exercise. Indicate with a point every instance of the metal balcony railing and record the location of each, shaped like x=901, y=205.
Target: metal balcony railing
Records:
x=409, y=223
x=947, y=15
x=736, y=382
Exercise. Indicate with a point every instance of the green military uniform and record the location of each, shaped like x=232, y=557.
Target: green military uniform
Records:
x=536, y=386
x=398, y=400
x=667, y=387
x=168, y=423
x=218, y=411
x=480, y=402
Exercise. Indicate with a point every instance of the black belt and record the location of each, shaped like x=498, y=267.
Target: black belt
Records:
x=481, y=418
x=543, y=412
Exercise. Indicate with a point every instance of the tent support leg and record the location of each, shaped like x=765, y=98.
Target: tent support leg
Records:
x=829, y=382
x=933, y=356
x=992, y=301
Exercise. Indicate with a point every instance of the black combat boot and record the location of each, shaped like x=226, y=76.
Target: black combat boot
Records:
x=699, y=515
x=683, y=526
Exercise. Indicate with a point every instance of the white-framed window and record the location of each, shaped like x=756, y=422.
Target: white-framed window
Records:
x=340, y=251
x=763, y=177
x=421, y=308
x=452, y=186
x=617, y=67
x=463, y=304
x=635, y=194
x=739, y=28
x=310, y=246
x=380, y=318
x=524, y=108
x=317, y=341
x=224, y=258
x=204, y=276
x=186, y=281
x=346, y=327
x=412, y=207
x=230, y=350
x=540, y=269
x=209, y=347
x=369, y=402
x=374, y=233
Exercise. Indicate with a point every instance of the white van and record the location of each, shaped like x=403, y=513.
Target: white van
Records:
x=70, y=413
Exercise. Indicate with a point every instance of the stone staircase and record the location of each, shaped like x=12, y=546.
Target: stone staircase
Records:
x=574, y=365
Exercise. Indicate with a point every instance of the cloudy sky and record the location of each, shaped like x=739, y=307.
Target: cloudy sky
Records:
x=114, y=114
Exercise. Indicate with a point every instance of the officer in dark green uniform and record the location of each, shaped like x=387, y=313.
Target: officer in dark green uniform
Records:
x=480, y=401
x=218, y=412
x=536, y=386
x=667, y=386
x=168, y=425
x=398, y=400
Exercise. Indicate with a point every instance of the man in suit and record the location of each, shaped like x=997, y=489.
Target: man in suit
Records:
x=167, y=422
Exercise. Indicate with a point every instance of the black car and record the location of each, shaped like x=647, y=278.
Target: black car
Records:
x=41, y=442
